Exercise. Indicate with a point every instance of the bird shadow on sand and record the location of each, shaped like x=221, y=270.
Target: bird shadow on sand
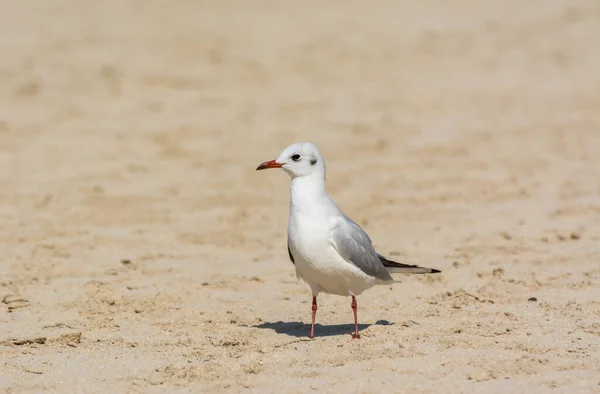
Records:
x=299, y=330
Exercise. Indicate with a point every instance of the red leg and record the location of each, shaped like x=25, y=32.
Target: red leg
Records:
x=355, y=335
x=314, y=314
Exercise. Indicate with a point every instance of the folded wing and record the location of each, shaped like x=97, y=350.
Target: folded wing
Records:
x=355, y=246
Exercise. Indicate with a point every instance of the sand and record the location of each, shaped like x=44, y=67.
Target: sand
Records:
x=141, y=252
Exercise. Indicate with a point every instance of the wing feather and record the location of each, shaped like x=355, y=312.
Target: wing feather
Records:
x=395, y=267
x=290, y=254
x=355, y=246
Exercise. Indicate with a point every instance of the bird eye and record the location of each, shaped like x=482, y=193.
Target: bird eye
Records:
x=295, y=157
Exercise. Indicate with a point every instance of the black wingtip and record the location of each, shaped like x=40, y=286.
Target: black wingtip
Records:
x=434, y=271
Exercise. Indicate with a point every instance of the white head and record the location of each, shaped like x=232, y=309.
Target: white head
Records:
x=298, y=160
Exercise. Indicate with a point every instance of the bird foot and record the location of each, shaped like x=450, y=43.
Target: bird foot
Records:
x=355, y=335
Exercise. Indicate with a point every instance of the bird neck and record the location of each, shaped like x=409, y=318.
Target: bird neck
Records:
x=308, y=193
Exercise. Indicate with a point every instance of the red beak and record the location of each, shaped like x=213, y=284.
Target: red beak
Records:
x=269, y=164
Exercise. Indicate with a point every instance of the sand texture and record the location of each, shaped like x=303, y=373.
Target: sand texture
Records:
x=142, y=252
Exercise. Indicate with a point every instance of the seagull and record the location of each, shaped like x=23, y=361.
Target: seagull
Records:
x=330, y=252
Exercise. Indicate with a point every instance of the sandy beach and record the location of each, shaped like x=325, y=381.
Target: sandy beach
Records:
x=142, y=252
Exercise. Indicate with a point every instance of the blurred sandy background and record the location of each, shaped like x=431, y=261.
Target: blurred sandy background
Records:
x=141, y=252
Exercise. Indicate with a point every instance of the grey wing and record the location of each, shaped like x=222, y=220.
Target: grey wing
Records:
x=355, y=246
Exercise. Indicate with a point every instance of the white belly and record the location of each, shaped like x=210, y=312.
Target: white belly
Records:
x=319, y=264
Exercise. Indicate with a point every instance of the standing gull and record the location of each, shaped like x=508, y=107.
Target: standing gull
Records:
x=330, y=252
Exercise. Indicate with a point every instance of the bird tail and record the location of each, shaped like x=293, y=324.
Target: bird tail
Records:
x=395, y=267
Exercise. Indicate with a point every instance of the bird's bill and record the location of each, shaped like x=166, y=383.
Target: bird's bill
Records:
x=269, y=164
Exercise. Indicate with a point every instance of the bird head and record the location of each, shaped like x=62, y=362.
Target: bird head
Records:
x=300, y=159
